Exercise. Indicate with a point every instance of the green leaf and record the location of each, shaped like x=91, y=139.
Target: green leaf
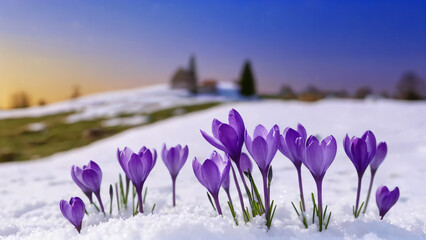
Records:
x=295, y=209
x=153, y=207
x=328, y=221
x=234, y=215
x=211, y=201
x=144, y=195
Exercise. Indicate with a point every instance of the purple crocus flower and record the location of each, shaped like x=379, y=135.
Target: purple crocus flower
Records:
x=293, y=146
x=319, y=157
x=211, y=174
x=360, y=151
x=230, y=139
x=386, y=199
x=263, y=148
x=137, y=167
x=174, y=159
x=380, y=155
x=73, y=211
x=89, y=179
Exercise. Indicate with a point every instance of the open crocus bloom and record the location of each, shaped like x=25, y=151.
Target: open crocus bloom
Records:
x=263, y=146
x=228, y=137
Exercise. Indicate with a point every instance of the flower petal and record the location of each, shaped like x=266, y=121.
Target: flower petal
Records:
x=211, y=176
x=381, y=152
x=213, y=141
x=91, y=179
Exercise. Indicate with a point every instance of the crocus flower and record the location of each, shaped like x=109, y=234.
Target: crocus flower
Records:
x=230, y=139
x=381, y=152
x=360, y=151
x=174, y=159
x=73, y=211
x=137, y=167
x=319, y=157
x=211, y=174
x=263, y=148
x=293, y=146
x=385, y=199
x=89, y=179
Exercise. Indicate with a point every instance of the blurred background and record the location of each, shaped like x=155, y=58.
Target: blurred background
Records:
x=53, y=53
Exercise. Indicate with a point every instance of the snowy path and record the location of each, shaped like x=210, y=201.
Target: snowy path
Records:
x=31, y=191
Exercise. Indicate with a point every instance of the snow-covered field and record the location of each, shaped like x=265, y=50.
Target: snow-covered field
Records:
x=31, y=191
x=112, y=104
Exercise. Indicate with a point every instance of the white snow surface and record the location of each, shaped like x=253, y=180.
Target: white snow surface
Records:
x=31, y=191
x=112, y=104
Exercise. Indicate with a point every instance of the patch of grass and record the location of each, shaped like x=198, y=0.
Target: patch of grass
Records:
x=19, y=144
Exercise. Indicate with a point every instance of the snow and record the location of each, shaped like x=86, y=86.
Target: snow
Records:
x=112, y=104
x=125, y=121
x=31, y=191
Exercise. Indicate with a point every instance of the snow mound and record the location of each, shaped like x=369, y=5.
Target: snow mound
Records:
x=31, y=191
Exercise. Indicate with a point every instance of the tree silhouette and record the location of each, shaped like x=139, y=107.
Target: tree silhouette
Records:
x=410, y=87
x=247, y=81
x=20, y=100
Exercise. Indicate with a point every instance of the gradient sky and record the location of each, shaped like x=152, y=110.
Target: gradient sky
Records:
x=47, y=47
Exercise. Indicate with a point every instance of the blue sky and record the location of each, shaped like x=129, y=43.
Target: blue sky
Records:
x=120, y=44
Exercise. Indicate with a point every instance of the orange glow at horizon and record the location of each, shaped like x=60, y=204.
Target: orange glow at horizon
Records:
x=51, y=76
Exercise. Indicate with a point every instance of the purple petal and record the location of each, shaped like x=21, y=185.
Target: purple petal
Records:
x=314, y=158
x=136, y=171
x=91, y=179
x=360, y=155
x=218, y=160
x=211, y=176
x=183, y=157
x=245, y=163
x=225, y=173
x=76, y=176
x=260, y=130
x=385, y=199
x=290, y=139
x=381, y=152
x=236, y=121
x=148, y=160
x=124, y=157
x=302, y=131
x=370, y=141
x=329, y=148
x=95, y=166
x=196, y=166
x=213, y=141
x=228, y=137
x=260, y=152
x=215, y=128
x=73, y=211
